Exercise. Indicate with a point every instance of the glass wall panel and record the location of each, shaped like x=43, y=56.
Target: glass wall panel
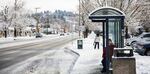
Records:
x=115, y=31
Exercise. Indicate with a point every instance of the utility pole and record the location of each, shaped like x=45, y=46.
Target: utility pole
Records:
x=37, y=19
x=36, y=9
x=79, y=17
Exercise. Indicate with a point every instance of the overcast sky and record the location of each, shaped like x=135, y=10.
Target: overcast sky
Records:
x=52, y=5
x=69, y=5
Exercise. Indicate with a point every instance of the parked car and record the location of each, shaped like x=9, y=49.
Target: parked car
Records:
x=38, y=35
x=62, y=34
x=144, y=37
x=143, y=48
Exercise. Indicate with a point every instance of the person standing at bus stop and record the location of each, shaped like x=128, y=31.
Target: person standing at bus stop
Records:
x=111, y=50
x=96, y=41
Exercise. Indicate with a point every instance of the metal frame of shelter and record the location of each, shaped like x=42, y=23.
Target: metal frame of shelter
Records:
x=113, y=27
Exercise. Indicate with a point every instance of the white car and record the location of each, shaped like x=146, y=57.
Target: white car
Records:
x=144, y=37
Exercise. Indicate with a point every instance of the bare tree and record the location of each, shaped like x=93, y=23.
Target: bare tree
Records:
x=18, y=6
x=131, y=8
x=145, y=15
x=14, y=16
x=4, y=15
x=37, y=18
x=86, y=7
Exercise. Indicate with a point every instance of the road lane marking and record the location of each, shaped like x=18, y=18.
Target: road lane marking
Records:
x=9, y=52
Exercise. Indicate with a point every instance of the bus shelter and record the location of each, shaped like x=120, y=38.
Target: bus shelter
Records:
x=112, y=20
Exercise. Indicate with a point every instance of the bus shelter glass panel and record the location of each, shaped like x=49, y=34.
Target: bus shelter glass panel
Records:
x=115, y=31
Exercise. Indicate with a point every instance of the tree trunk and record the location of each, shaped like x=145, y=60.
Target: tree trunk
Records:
x=5, y=33
x=20, y=32
x=37, y=27
x=15, y=32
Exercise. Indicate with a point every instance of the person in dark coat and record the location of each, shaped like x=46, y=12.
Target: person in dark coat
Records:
x=111, y=49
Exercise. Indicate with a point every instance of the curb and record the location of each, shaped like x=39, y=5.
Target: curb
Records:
x=77, y=56
x=71, y=51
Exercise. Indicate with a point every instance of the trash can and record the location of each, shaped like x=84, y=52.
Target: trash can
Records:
x=123, y=61
x=80, y=44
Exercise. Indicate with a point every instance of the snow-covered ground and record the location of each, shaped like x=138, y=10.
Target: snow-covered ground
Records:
x=90, y=59
x=56, y=61
x=52, y=62
x=24, y=38
x=69, y=62
x=12, y=39
x=142, y=64
x=9, y=42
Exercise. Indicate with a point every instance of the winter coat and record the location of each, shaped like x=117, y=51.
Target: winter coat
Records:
x=97, y=39
x=111, y=50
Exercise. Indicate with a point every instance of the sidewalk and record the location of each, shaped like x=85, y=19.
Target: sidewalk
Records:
x=89, y=61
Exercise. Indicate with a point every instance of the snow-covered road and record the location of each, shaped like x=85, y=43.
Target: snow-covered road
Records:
x=11, y=57
x=52, y=62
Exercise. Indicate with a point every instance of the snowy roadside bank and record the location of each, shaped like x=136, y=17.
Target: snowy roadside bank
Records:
x=25, y=38
x=33, y=41
x=51, y=62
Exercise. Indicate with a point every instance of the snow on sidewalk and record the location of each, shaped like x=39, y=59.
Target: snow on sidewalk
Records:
x=142, y=64
x=89, y=61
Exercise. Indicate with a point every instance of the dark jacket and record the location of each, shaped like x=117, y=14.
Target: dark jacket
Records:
x=111, y=50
